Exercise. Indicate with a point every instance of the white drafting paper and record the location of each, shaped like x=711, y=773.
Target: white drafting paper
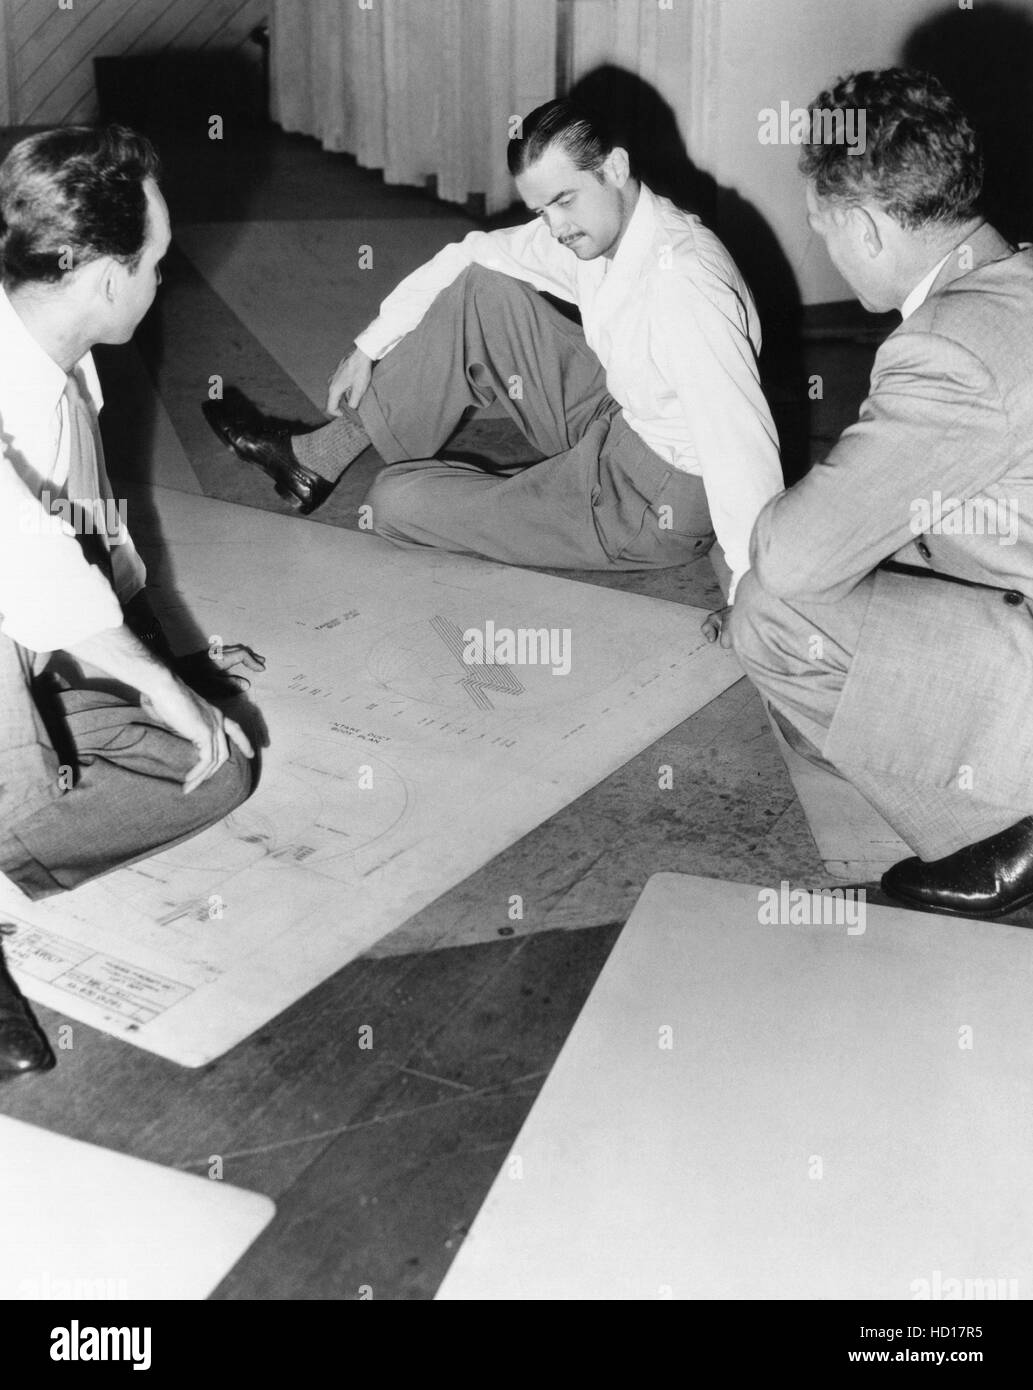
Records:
x=394, y=769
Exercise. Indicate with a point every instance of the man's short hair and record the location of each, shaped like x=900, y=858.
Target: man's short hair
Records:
x=921, y=161
x=580, y=133
x=70, y=196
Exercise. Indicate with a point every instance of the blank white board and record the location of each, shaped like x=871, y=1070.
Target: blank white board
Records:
x=747, y=1109
x=80, y=1222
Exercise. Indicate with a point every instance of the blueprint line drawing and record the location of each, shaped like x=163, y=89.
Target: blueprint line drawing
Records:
x=392, y=771
x=478, y=680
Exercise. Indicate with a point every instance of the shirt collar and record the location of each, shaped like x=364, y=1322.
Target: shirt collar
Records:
x=918, y=295
x=30, y=370
x=25, y=364
x=637, y=241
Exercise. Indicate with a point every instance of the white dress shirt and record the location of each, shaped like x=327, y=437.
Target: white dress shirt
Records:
x=51, y=597
x=674, y=325
x=920, y=293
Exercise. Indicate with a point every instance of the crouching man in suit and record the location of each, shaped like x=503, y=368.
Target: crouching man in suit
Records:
x=887, y=617
x=88, y=780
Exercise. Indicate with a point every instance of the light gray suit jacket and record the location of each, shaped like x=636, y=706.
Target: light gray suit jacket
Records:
x=937, y=473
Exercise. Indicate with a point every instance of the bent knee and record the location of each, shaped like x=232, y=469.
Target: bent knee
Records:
x=393, y=505
x=230, y=787
x=749, y=625
x=491, y=284
x=242, y=772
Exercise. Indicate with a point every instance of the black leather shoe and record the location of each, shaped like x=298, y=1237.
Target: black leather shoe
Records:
x=266, y=443
x=23, y=1048
x=987, y=879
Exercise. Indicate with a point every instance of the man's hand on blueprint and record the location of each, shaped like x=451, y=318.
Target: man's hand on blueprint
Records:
x=717, y=627
x=236, y=654
x=211, y=672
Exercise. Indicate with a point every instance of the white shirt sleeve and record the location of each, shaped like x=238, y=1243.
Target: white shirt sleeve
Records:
x=528, y=253
x=51, y=597
x=711, y=365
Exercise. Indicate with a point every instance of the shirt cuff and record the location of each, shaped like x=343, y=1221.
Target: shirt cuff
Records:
x=375, y=342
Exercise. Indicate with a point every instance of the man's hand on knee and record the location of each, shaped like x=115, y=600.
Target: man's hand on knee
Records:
x=349, y=381
x=176, y=706
x=119, y=653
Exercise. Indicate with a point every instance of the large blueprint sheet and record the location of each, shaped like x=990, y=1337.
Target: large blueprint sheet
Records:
x=393, y=770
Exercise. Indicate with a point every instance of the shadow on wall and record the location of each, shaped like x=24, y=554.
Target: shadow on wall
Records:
x=984, y=57
x=636, y=116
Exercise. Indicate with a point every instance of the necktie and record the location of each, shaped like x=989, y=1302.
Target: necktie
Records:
x=86, y=504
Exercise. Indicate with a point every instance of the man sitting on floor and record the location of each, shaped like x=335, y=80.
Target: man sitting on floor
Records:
x=652, y=418
x=88, y=781
x=887, y=618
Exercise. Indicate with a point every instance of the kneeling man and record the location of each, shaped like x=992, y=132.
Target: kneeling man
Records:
x=888, y=617
x=88, y=781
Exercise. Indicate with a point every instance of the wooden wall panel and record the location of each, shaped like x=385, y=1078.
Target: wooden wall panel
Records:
x=51, y=45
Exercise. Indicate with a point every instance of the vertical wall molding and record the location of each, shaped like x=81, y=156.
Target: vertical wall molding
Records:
x=700, y=112
x=8, y=88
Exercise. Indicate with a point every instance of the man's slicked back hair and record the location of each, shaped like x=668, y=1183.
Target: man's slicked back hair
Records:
x=921, y=161
x=70, y=196
x=581, y=134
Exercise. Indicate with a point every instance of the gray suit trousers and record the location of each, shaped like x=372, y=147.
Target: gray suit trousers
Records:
x=798, y=656
x=601, y=499
x=127, y=800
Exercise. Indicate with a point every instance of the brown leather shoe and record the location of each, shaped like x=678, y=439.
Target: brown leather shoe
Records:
x=23, y=1047
x=987, y=879
x=265, y=442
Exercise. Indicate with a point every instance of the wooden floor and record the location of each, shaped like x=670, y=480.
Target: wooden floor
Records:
x=379, y=1157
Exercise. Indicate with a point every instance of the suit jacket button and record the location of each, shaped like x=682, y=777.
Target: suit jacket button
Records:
x=924, y=550
x=1013, y=597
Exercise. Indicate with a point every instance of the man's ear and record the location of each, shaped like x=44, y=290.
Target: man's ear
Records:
x=96, y=282
x=618, y=165
x=868, y=230
x=106, y=274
